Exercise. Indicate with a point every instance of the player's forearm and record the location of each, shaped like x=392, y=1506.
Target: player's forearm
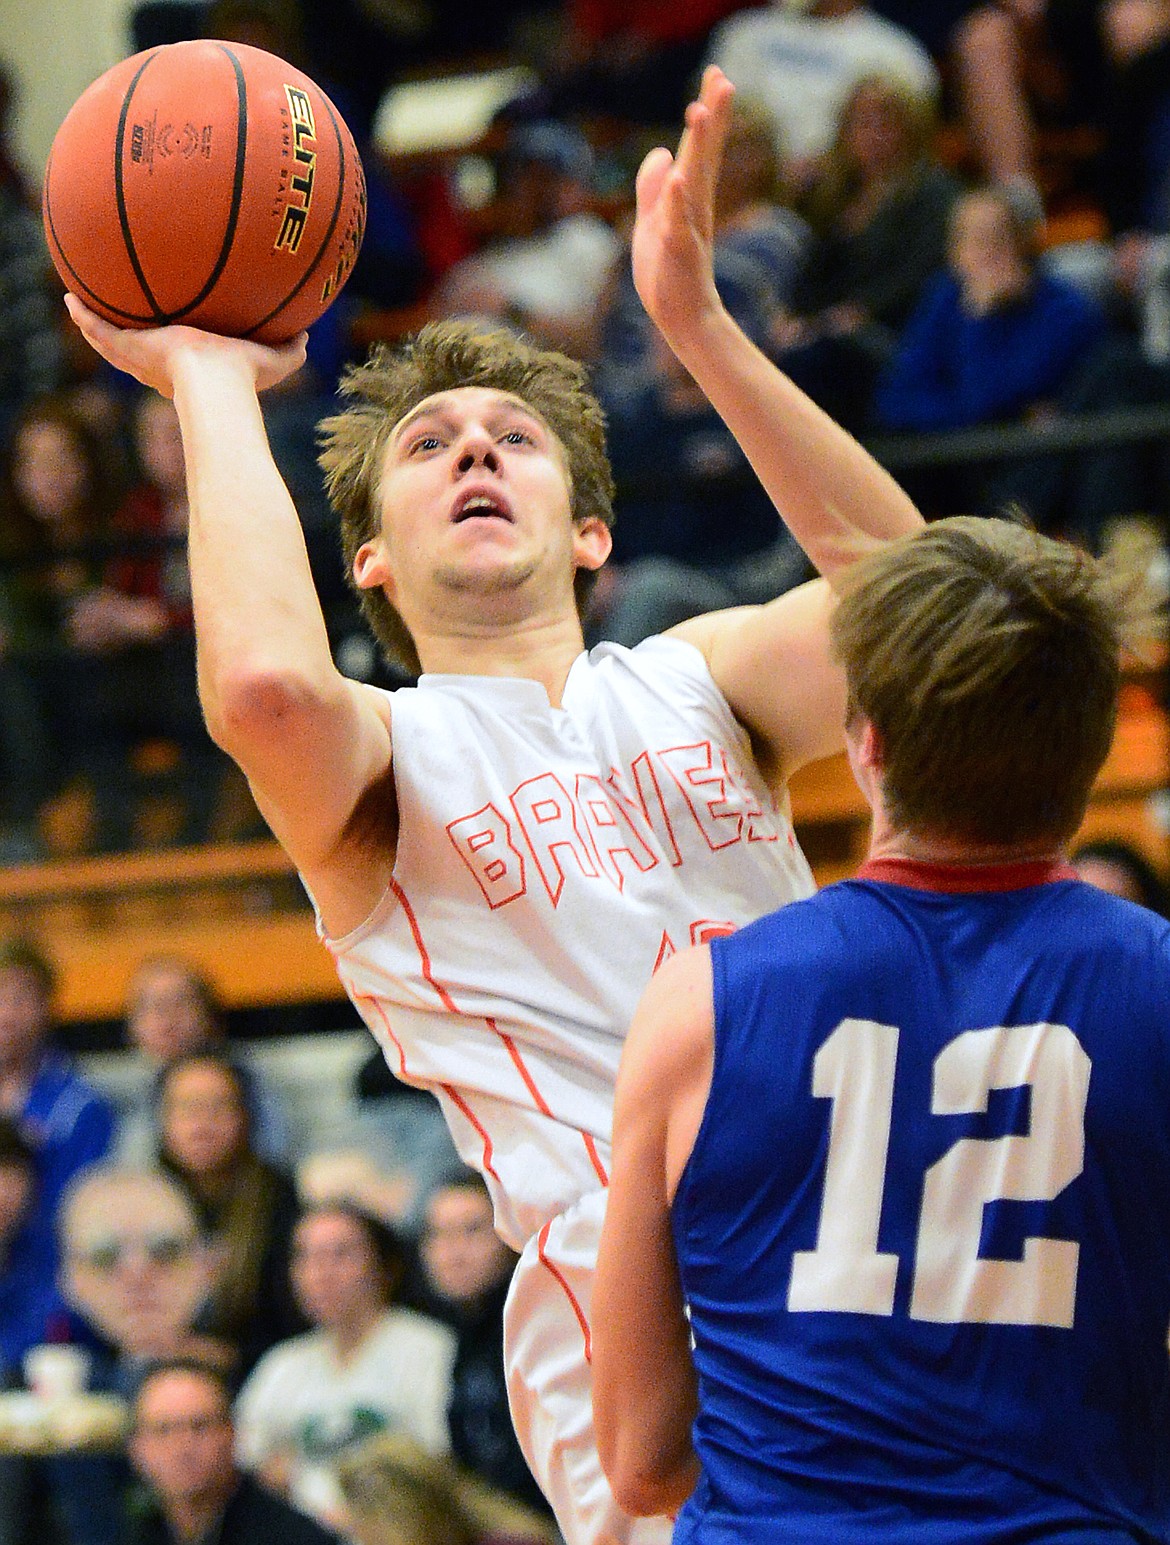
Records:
x=257, y=615
x=833, y=496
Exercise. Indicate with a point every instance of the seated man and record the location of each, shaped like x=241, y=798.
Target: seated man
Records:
x=902, y=1148
x=181, y=1446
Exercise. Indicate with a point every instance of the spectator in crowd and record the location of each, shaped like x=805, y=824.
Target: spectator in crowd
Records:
x=246, y=1205
x=802, y=63
x=138, y=1269
x=467, y=1269
x=173, y=1011
x=56, y=498
x=137, y=1272
x=760, y=245
x=880, y=210
x=390, y=1153
x=702, y=540
x=138, y=623
x=993, y=337
x=65, y=1122
x=396, y=1493
x=32, y=1309
x=545, y=266
x=1002, y=338
x=1118, y=867
x=32, y=352
x=366, y=1365
x=707, y=538
x=32, y=1312
x=181, y=1446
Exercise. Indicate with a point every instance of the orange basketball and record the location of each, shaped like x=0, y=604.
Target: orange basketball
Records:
x=208, y=183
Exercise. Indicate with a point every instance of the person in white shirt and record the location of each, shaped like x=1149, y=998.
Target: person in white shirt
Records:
x=367, y=1366
x=802, y=61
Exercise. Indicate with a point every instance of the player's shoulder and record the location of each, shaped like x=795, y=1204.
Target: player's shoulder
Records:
x=665, y=662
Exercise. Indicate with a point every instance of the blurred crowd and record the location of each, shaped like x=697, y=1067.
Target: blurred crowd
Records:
x=936, y=216
x=216, y=1323
x=166, y=1244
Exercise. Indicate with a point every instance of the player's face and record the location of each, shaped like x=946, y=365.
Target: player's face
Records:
x=476, y=513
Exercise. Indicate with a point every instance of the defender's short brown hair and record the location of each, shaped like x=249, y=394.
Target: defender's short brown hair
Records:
x=987, y=658
x=439, y=358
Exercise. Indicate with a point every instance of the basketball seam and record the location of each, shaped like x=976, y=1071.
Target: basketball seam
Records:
x=233, y=218
x=328, y=236
x=120, y=195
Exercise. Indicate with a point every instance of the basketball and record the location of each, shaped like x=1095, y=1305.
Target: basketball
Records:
x=207, y=183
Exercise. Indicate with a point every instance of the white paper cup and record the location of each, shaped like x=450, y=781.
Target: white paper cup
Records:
x=56, y=1372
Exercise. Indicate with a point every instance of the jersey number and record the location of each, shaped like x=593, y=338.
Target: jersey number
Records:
x=952, y=1283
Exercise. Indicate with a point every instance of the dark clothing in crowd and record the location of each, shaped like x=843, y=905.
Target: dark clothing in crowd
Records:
x=252, y=1517
x=482, y=1435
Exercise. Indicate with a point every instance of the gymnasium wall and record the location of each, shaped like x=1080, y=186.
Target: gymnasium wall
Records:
x=55, y=48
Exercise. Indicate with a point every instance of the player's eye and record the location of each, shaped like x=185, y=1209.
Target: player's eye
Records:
x=518, y=437
x=425, y=442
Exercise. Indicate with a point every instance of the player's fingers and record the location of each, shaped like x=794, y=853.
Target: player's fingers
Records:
x=708, y=120
x=651, y=175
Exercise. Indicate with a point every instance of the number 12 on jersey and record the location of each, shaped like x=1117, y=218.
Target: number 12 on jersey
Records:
x=855, y=1069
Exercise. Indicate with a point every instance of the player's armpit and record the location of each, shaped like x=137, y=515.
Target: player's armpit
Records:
x=320, y=773
x=774, y=665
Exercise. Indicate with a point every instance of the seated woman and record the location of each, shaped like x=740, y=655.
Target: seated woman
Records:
x=57, y=495
x=880, y=213
x=246, y=1205
x=996, y=339
x=367, y=1365
x=992, y=337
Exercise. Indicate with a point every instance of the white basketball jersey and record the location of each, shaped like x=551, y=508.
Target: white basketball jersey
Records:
x=548, y=861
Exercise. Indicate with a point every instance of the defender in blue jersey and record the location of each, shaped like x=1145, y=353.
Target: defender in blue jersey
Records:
x=897, y=1157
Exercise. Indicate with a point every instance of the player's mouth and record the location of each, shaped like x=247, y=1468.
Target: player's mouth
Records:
x=478, y=505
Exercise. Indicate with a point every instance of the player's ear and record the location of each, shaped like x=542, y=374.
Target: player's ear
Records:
x=370, y=568
x=592, y=542
x=870, y=751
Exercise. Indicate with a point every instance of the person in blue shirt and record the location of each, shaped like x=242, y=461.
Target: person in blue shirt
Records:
x=32, y=1309
x=993, y=336
x=887, y=1250
x=67, y=1124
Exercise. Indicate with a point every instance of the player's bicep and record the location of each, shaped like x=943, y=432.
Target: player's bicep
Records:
x=774, y=665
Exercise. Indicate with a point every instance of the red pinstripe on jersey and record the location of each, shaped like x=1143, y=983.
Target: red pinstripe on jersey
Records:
x=462, y=1106
x=556, y=1273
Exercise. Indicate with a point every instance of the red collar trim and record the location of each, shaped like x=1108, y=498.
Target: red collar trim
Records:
x=965, y=879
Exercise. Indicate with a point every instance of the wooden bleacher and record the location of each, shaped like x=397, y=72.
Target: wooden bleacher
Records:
x=240, y=912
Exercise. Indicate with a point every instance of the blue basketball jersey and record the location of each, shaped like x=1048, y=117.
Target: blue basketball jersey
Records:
x=924, y=1234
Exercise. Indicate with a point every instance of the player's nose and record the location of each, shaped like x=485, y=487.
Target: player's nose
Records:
x=476, y=448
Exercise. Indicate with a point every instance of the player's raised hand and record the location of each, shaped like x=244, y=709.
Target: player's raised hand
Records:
x=674, y=231
x=151, y=354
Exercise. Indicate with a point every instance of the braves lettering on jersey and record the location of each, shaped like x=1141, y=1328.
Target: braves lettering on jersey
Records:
x=548, y=861
x=924, y=1233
